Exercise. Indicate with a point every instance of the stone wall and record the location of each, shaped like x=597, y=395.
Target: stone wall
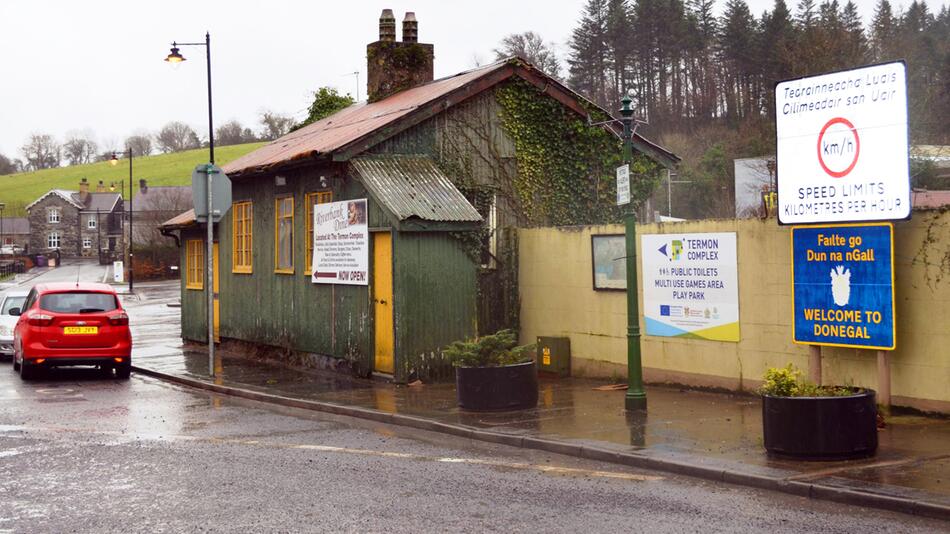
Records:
x=68, y=226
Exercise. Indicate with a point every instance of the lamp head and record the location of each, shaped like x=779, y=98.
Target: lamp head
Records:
x=174, y=58
x=114, y=160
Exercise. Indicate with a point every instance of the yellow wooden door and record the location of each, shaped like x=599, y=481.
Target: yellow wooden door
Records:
x=217, y=305
x=383, y=301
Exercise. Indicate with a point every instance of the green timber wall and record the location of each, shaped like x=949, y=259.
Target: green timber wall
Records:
x=434, y=290
x=433, y=282
x=194, y=303
x=288, y=310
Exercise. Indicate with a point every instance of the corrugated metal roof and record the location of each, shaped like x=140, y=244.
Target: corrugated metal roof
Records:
x=180, y=221
x=412, y=186
x=351, y=124
x=930, y=199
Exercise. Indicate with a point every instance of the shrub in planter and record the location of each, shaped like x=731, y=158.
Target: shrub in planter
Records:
x=808, y=421
x=493, y=373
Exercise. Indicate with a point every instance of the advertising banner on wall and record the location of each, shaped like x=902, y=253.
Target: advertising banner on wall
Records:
x=844, y=285
x=691, y=285
x=340, y=243
x=841, y=146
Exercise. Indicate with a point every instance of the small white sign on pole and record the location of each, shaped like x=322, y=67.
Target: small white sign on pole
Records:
x=118, y=272
x=841, y=146
x=623, y=184
x=340, y=243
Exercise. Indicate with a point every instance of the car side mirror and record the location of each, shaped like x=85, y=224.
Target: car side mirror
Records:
x=14, y=311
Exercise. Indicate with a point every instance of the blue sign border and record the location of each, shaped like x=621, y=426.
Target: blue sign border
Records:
x=890, y=229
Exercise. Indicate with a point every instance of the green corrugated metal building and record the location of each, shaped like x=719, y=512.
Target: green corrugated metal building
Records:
x=393, y=151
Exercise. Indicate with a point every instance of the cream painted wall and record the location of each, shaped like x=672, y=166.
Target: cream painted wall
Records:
x=557, y=299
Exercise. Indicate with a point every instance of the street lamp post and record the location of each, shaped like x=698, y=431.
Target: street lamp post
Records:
x=2, y=205
x=636, y=398
x=114, y=160
x=175, y=58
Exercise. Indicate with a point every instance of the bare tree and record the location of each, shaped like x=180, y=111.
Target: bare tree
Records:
x=275, y=125
x=177, y=136
x=530, y=46
x=42, y=151
x=80, y=149
x=155, y=206
x=9, y=166
x=141, y=144
x=233, y=133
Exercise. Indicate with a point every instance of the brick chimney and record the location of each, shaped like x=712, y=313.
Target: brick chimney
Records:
x=143, y=185
x=394, y=66
x=101, y=187
x=83, y=190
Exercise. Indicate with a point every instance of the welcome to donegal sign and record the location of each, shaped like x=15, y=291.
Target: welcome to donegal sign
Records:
x=691, y=285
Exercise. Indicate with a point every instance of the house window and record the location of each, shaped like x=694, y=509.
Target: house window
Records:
x=53, y=215
x=242, y=234
x=52, y=240
x=194, y=264
x=91, y=223
x=86, y=242
x=284, y=235
x=321, y=197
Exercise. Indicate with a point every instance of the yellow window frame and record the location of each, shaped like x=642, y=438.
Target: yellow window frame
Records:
x=312, y=199
x=278, y=217
x=194, y=264
x=242, y=237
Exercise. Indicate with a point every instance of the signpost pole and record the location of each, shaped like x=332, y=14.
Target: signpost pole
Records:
x=210, y=274
x=814, y=364
x=884, y=380
x=636, y=398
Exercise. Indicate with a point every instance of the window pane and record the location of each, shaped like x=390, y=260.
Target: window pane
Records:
x=78, y=302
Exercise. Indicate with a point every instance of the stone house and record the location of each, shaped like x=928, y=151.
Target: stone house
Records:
x=78, y=223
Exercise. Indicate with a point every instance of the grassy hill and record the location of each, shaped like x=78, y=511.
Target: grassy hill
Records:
x=19, y=190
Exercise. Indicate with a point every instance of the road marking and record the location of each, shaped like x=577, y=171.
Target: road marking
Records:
x=521, y=466
x=450, y=460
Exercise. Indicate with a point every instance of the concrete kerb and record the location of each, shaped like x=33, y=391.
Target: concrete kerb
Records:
x=631, y=459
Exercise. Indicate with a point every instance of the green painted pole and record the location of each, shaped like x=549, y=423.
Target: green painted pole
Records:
x=636, y=398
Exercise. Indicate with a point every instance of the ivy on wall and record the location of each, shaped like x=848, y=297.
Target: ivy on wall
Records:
x=566, y=168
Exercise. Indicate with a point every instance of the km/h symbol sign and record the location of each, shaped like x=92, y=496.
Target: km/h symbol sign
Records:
x=838, y=147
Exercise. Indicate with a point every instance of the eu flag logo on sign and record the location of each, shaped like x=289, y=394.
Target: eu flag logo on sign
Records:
x=664, y=310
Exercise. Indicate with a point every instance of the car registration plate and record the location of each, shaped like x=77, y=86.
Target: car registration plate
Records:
x=80, y=330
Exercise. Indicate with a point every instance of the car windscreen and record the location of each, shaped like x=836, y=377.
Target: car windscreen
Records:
x=78, y=302
x=12, y=302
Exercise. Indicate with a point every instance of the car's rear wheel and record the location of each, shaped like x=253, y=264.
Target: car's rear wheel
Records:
x=27, y=371
x=123, y=371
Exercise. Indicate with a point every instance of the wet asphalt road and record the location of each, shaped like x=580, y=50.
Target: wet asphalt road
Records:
x=83, y=454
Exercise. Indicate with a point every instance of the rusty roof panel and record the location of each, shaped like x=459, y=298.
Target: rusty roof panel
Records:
x=413, y=186
x=180, y=221
x=350, y=124
x=360, y=120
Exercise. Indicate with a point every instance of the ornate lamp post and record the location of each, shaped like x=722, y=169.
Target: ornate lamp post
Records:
x=636, y=398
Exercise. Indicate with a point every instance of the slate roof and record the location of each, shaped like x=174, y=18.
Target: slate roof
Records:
x=412, y=186
x=155, y=195
x=16, y=225
x=103, y=202
x=349, y=131
x=65, y=194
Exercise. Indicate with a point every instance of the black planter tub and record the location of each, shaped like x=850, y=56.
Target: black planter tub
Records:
x=821, y=428
x=510, y=387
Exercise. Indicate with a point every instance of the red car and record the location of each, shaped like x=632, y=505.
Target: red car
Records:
x=72, y=324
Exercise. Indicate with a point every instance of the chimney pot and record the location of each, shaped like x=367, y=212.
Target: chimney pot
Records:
x=410, y=28
x=101, y=188
x=387, y=26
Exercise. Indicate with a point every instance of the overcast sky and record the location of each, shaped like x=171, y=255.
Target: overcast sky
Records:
x=97, y=66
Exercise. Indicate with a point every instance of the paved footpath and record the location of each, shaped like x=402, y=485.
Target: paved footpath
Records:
x=708, y=435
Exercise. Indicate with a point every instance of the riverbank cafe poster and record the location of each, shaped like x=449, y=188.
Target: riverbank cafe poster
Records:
x=691, y=285
x=340, y=243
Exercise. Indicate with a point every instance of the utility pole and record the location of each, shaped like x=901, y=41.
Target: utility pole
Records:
x=636, y=398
